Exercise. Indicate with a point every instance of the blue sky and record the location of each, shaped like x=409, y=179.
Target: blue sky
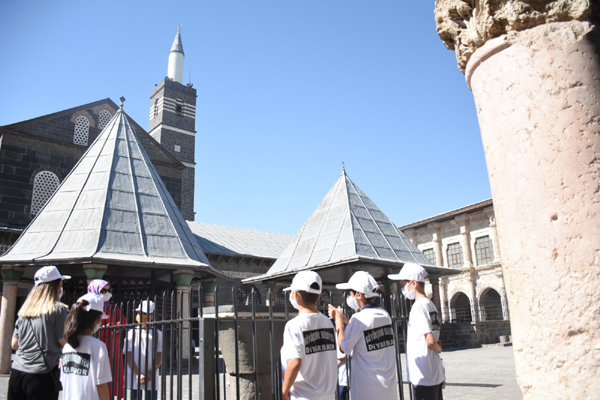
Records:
x=287, y=90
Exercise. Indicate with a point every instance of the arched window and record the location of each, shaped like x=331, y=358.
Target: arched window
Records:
x=430, y=254
x=460, y=308
x=45, y=184
x=490, y=306
x=455, y=255
x=82, y=129
x=103, y=119
x=243, y=295
x=484, y=249
x=155, y=113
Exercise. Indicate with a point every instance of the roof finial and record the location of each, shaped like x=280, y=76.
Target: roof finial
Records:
x=122, y=101
x=343, y=167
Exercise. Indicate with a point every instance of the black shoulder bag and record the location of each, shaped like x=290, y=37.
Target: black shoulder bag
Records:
x=57, y=385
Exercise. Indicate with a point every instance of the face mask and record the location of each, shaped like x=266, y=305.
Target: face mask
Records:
x=98, y=326
x=408, y=294
x=294, y=302
x=60, y=293
x=106, y=296
x=352, y=303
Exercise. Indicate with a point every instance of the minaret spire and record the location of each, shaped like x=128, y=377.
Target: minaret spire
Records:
x=175, y=72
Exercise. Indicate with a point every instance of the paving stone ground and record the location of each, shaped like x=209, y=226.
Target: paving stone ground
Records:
x=472, y=374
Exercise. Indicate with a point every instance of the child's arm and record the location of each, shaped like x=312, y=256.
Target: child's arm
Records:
x=103, y=391
x=433, y=345
x=134, y=369
x=158, y=361
x=291, y=372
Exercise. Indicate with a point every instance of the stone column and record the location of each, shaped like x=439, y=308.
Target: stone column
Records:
x=473, y=298
x=465, y=239
x=183, y=280
x=494, y=236
x=94, y=271
x=435, y=290
x=437, y=245
x=208, y=292
x=444, y=298
x=503, y=299
x=536, y=85
x=10, y=279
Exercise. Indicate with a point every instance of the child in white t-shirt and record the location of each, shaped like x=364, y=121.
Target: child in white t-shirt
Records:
x=142, y=368
x=369, y=337
x=424, y=365
x=85, y=366
x=309, y=353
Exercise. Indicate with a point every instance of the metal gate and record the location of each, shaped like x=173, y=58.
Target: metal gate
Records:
x=214, y=351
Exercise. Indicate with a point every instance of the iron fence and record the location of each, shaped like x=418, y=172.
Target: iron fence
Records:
x=215, y=351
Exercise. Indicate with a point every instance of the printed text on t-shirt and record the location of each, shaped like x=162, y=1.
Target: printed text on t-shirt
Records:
x=379, y=338
x=76, y=363
x=319, y=340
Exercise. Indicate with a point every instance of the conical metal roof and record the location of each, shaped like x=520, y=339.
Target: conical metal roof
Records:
x=177, y=43
x=112, y=208
x=347, y=227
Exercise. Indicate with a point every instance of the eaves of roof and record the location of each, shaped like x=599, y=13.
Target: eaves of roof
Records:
x=449, y=215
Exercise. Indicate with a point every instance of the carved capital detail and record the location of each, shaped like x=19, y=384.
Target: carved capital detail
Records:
x=466, y=25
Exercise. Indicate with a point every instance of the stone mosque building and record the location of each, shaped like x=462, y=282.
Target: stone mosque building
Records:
x=38, y=154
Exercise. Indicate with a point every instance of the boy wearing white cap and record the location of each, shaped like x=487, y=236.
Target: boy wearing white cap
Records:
x=308, y=355
x=424, y=365
x=369, y=339
x=142, y=368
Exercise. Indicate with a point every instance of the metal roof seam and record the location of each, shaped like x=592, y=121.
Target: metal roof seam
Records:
x=66, y=220
x=360, y=225
x=321, y=229
x=134, y=185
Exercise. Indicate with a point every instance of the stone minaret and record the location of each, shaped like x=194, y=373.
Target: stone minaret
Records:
x=534, y=69
x=173, y=122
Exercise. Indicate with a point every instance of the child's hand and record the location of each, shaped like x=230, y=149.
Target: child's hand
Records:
x=285, y=396
x=333, y=311
x=142, y=379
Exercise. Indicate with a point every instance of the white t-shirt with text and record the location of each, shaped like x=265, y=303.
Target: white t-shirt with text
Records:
x=369, y=338
x=84, y=368
x=311, y=337
x=424, y=365
x=140, y=342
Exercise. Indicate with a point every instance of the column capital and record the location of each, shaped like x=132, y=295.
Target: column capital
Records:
x=465, y=29
x=183, y=278
x=94, y=271
x=434, y=279
x=11, y=275
x=208, y=285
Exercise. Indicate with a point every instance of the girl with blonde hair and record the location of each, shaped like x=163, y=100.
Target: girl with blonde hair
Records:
x=38, y=339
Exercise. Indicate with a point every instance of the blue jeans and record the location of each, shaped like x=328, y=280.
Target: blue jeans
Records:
x=149, y=394
x=343, y=392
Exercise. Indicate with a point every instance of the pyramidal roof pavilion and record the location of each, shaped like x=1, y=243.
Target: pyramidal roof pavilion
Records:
x=347, y=232
x=112, y=209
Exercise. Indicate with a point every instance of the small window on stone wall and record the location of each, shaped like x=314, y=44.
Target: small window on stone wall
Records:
x=103, y=119
x=455, y=256
x=177, y=148
x=45, y=184
x=484, y=250
x=82, y=130
x=155, y=108
x=430, y=254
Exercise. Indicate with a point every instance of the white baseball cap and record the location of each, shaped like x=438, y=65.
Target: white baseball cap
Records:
x=48, y=274
x=95, y=303
x=145, y=306
x=363, y=282
x=410, y=272
x=303, y=280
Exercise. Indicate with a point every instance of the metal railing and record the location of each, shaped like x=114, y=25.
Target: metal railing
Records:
x=203, y=342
